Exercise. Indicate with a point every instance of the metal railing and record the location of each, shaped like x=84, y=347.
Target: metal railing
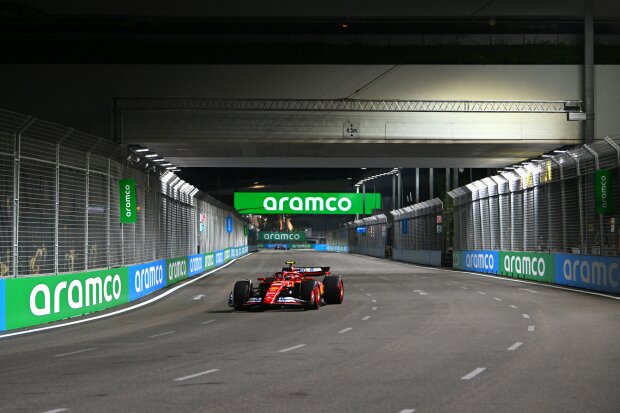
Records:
x=59, y=204
x=417, y=227
x=373, y=240
x=544, y=205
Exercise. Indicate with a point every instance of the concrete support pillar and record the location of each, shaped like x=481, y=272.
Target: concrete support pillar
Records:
x=588, y=72
x=417, y=185
x=431, y=172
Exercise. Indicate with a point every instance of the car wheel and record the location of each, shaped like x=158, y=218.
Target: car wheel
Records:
x=333, y=289
x=310, y=292
x=241, y=294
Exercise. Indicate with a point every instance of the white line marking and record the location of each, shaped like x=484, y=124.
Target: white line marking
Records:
x=465, y=288
x=124, y=310
x=525, y=315
x=361, y=289
x=527, y=289
x=420, y=292
x=75, y=352
x=385, y=278
x=192, y=376
x=366, y=318
x=199, y=296
x=162, y=334
x=374, y=301
x=497, y=299
x=291, y=348
x=481, y=292
x=531, y=328
x=513, y=306
x=56, y=411
x=208, y=322
x=374, y=309
x=515, y=346
x=407, y=411
x=368, y=294
x=473, y=374
x=345, y=330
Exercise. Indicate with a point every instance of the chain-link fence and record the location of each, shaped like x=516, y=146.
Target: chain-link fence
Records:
x=368, y=236
x=545, y=205
x=59, y=209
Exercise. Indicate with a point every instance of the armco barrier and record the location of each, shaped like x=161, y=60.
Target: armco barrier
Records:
x=37, y=300
x=581, y=271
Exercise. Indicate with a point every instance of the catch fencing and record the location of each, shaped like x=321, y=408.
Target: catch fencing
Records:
x=368, y=236
x=550, y=205
x=59, y=204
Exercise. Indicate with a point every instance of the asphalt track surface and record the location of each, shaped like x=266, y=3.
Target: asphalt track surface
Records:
x=406, y=338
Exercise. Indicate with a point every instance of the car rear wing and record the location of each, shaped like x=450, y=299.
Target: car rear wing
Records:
x=308, y=270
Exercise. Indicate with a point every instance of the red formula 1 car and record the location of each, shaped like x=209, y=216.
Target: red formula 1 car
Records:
x=292, y=287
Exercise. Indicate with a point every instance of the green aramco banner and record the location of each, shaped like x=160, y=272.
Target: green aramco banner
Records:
x=604, y=185
x=127, y=200
x=330, y=203
x=282, y=236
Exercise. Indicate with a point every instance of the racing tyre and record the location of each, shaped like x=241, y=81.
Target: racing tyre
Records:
x=310, y=292
x=333, y=289
x=241, y=294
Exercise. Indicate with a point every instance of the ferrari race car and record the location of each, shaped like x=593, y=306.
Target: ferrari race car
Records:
x=292, y=287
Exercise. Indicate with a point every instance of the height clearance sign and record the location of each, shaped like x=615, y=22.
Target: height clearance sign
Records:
x=330, y=203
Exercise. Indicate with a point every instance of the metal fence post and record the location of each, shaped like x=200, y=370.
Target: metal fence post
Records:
x=600, y=216
x=87, y=192
x=563, y=202
x=107, y=231
x=16, y=172
x=580, y=202
x=57, y=210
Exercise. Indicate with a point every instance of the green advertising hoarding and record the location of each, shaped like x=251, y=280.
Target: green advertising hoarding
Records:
x=37, y=300
x=209, y=260
x=282, y=236
x=127, y=200
x=604, y=186
x=176, y=270
x=529, y=266
x=331, y=203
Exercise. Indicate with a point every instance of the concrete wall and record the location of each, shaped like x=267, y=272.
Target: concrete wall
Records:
x=82, y=95
x=422, y=257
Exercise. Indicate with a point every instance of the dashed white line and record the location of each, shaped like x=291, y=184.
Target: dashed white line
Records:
x=384, y=278
x=513, y=306
x=531, y=328
x=374, y=301
x=473, y=374
x=407, y=411
x=525, y=315
x=162, y=334
x=497, y=299
x=75, y=352
x=481, y=292
x=56, y=411
x=528, y=290
x=193, y=376
x=366, y=318
x=368, y=294
x=465, y=288
x=345, y=330
x=374, y=309
x=284, y=350
x=515, y=346
x=208, y=322
x=420, y=292
x=361, y=289
x=199, y=296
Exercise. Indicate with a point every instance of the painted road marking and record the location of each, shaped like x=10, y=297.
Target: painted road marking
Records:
x=465, y=288
x=407, y=411
x=199, y=296
x=291, y=348
x=513, y=306
x=515, y=346
x=75, y=352
x=374, y=309
x=420, y=292
x=525, y=315
x=481, y=292
x=368, y=294
x=162, y=334
x=374, y=301
x=384, y=278
x=497, y=299
x=208, y=322
x=531, y=328
x=473, y=374
x=366, y=318
x=361, y=289
x=192, y=376
x=56, y=411
x=527, y=289
x=345, y=330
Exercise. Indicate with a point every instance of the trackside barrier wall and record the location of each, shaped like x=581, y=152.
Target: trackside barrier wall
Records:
x=28, y=301
x=551, y=220
x=372, y=240
x=418, y=233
